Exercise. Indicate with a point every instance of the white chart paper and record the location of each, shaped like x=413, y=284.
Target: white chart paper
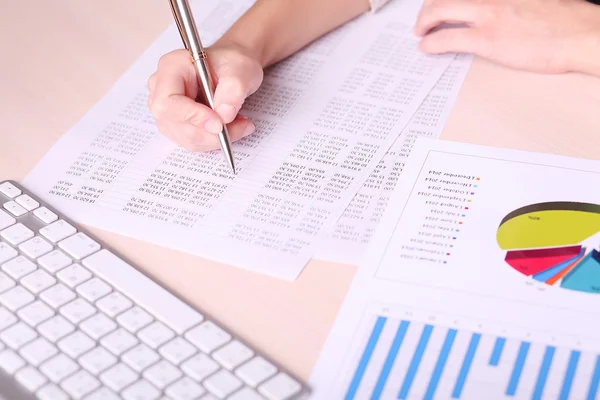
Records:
x=324, y=117
x=354, y=229
x=481, y=282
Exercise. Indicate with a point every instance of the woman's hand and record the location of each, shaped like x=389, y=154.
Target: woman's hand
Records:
x=547, y=36
x=174, y=86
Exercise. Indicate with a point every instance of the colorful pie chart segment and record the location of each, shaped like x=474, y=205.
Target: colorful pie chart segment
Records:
x=556, y=243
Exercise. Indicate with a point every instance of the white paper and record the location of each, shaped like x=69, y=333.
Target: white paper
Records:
x=436, y=272
x=354, y=229
x=324, y=117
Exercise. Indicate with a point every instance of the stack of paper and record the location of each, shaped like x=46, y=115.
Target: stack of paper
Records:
x=335, y=123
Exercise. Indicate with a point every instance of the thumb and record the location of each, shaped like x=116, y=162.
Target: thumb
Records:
x=452, y=40
x=235, y=84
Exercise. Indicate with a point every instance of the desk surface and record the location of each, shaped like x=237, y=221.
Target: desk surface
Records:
x=69, y=56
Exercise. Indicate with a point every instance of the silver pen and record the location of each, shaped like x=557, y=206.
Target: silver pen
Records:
x=191, y=40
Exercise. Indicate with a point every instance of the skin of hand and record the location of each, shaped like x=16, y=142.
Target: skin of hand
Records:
x=268, y=32
x=174, y=86
x=544, y=36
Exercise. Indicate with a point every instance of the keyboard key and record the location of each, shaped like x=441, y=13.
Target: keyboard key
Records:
x=54, y=261
x=45, y=215
x=156, y=334
x=14, y=208
x=56, y=328
x=6, y=318
x=15, y=298
x=118, y=377
x=74, y=275
x=80, y=384
x=177, y=350
x=280, y=387
x=51, y=392
x=58, y=367
x=38, y=281
x=199, y=366
x=134, y=319
x=77, y=310
x=17, y=335
x=30, y=378
x=184, y=389
x=207, y=336
x=57, y=296
x=35, y=313
x=10, y=361
x=256, y=371
x=208, y=396
x=57, y=231
x=149, y=295
x=38, y=351
x=162, y=374
x=79, y=246
x=6, y=220
x=246, y=394
x=27, y=202
x=18, y=267
x=232, y=354
x=17, y=234
x=94, y=289
x=5, y=282
x=114, y=304
x=141, y=390
x=97, y=360
x=140, y=357
x=222, y=383
x=35, y=247
x=119, y=341
x=76, y=344
x=103, y=394
x=9, y=190
x=98, y=326
x=7, y=252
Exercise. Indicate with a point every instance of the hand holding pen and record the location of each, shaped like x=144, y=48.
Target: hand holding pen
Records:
x=175, y=87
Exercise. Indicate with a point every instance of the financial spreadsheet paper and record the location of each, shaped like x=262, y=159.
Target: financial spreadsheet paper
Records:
x=325, y=117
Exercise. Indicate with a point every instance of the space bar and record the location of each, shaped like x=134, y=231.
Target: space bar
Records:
x=142, y=290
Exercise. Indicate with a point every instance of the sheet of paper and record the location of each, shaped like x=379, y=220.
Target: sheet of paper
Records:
x=324, y=117
x=354, y=229
x=481, y=282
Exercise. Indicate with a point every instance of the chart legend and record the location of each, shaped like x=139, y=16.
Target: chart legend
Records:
x=556, y=243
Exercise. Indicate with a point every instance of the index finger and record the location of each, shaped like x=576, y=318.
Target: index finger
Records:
x=437, y=12
x=175, y=90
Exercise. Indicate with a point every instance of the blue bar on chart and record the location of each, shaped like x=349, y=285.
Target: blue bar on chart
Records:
x=441, y=363
x=543, y=373
x=569, y=375
x=517, y=369
x=378, y=376
x=593, y=390
x=389, y=361
x=415, y=362
x=466, y=365
x=364, y=360
x=497, y=352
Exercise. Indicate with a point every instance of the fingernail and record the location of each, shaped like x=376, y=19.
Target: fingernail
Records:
x=213, y=126
x=226, y=111
x=249, y=129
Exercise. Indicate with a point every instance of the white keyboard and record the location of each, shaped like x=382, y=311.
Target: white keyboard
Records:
x=78, y=322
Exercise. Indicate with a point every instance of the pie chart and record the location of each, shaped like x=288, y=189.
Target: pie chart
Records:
x=557, y=243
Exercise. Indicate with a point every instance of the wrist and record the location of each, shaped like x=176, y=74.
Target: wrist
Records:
x=585, y=48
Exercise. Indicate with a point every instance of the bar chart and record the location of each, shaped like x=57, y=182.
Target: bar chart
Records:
x=399, y=358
